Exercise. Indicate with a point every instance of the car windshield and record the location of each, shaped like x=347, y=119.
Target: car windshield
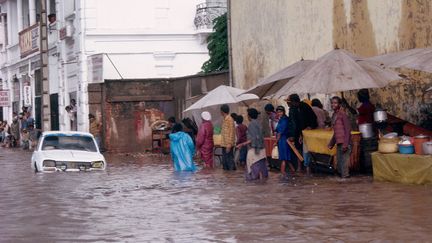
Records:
x=74, y=142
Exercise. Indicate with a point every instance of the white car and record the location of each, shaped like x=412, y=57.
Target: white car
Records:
x=67, y=151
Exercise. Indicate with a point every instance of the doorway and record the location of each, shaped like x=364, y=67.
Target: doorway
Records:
x=55, y=126
x=38, y=112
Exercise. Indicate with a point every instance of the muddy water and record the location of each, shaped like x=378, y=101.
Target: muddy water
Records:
x=140, y=199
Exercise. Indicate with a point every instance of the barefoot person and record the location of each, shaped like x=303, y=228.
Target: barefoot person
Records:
x=284, y=131
x=341, y=137
x=241, y=132
x=204, y=140
x=228, y=139
x=256, y=166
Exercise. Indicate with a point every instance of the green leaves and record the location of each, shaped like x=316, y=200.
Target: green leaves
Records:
x=217, y=44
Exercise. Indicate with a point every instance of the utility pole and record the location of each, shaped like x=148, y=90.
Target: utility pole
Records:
x=46, y=112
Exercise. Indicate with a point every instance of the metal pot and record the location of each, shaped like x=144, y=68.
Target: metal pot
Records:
x=366, y=130
x=427, y=148
x=380, y=116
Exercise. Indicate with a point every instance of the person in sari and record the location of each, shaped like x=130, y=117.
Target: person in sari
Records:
x=182, y=149
x=204, y=140
x=256, y=166
x=284, y=131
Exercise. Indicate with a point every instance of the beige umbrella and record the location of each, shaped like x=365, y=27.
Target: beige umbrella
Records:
x=222, y=95
x=338, y=70
x=418, y=59
x=270, y=84
x=212, y=101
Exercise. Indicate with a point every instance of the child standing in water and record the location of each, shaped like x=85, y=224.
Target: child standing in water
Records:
x=241, y=132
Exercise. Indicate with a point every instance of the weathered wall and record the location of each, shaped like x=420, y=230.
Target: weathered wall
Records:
x=267, y=35
x=188, y=90
x=127, y=108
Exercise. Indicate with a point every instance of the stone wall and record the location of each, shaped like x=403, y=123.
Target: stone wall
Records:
x=127, y=108
x=267, y=35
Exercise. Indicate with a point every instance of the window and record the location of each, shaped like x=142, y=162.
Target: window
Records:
x=68, y=7
x=25, y=14
x=3, y=18
x=69, y=142
x=38, y=10
x=13, y=20
x=52, y=6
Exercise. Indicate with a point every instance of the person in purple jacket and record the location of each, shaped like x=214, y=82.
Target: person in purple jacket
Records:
x=341, y=136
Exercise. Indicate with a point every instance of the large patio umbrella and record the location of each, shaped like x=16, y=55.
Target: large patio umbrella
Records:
x=338, y=70
x=270, y=84
x=222, y=95
x=418, y=59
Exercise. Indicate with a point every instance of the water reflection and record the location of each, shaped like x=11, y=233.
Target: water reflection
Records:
x=140, y=198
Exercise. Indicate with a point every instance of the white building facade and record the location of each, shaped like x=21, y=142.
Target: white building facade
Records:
x=94, y=40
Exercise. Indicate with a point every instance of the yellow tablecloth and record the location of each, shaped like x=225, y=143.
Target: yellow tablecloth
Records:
x=317, y=140
x=404, y=168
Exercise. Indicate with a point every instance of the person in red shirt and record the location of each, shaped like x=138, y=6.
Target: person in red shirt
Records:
x=366, y=109
x=341, y=137
x=241, y=133
x=204, y=140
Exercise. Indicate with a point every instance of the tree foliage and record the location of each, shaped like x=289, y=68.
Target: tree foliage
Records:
x=217, y=44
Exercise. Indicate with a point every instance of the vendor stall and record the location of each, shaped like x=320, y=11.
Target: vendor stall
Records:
x=404, y=168
x=316, y=142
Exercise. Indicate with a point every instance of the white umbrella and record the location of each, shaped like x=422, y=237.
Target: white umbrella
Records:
x=336, y=71
x=270, y=84
x=222, y=95
x=430, y=89
x=418, y=59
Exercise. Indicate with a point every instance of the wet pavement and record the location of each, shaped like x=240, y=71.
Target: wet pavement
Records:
x=140, y=199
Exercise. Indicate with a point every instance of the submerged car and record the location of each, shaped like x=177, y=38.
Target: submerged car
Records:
x=67, y=151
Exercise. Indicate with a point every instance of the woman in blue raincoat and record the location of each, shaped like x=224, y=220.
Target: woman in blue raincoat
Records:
x=284, y=130
x=182, y=149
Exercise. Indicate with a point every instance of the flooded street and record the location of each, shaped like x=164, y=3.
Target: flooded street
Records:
x=140, y=198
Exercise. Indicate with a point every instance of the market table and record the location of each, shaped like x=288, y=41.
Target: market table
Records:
x=404, y=168
x=316, y=141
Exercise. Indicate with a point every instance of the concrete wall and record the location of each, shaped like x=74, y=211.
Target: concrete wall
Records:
x=145, y=39
x=267, y=35
x=127, y=108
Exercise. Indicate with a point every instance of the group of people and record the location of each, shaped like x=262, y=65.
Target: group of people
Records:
x=20, y=132
x=235, y=135
x=287, y=127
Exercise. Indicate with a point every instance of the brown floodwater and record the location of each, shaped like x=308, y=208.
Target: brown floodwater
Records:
x=140, y=199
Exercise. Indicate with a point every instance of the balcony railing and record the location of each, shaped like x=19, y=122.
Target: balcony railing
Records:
x=207, y=12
